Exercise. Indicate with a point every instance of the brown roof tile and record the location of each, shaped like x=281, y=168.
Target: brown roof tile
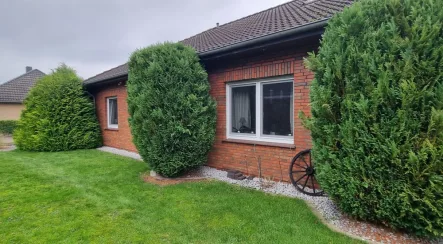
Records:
x=284, y=17
x=280, y=18
x=16, y=90
x=109, y=74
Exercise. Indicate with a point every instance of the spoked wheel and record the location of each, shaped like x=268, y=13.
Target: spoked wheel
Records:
x=302, y=174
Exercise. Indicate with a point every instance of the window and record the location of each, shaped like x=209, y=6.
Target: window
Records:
x=261, y=110
x=112, y=112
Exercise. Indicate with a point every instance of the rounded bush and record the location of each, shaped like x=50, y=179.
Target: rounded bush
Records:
x=58, y=116
x=172, y=115
x=377, y=113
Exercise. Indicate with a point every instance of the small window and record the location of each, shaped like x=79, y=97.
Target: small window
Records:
x=261, y=110
x=112, y=112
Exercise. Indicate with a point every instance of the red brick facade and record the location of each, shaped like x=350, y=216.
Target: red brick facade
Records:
x=119, y=138
x=274, y=159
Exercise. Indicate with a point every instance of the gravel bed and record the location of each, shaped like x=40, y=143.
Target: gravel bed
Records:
x=8, y=148
x=121, y=152
x=323, y=205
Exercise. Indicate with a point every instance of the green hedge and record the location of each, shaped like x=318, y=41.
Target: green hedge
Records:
x=7, y=127
x=58, y=116
x=377, y=113
x=172, y=115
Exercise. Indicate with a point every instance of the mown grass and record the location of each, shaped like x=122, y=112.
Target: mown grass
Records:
x=92, y=196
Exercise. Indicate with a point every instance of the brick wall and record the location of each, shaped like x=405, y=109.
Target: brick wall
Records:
x=119, y=138
x=274, y=158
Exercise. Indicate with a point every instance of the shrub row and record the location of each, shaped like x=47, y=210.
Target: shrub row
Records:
x=7, y=126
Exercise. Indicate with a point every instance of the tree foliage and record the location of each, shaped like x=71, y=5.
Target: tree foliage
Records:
x=377, y=113
x=172, y=115
x=58, y=116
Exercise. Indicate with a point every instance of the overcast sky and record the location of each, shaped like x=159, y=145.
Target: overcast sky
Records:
x=95, y=35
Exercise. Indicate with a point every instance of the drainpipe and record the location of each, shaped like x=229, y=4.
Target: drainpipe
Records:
x=93, y=98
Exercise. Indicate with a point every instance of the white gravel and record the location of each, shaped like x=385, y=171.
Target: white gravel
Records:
x=7, y=149
x=121, y=152
x=323, y=205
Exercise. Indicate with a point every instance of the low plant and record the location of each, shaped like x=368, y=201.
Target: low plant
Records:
x=7, y=126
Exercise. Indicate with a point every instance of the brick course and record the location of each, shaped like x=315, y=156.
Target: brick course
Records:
x=273, y=159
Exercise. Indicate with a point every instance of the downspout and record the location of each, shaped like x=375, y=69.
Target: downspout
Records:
x=93, y=99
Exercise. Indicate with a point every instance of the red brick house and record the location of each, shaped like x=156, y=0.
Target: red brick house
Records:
x=257, y=76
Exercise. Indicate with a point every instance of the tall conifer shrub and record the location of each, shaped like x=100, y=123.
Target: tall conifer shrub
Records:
x=58, y=115
x=172, y=115
x=377, y=113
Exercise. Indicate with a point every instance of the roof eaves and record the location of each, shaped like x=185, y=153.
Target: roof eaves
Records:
x=281, y=34
x=92, y=80
x=106, y=80
x=11, y=102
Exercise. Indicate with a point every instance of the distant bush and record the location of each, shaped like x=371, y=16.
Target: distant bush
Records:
x=172, y=115
x=377, y=113
x=7, y=126
x=58, y=116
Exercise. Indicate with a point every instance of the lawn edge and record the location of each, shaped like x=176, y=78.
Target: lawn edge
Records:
x=331, y=226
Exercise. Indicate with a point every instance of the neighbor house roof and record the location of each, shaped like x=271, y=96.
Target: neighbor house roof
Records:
x=297, y=14
x=16, y=90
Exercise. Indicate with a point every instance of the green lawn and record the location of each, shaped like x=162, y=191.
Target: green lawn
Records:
x=92, y=196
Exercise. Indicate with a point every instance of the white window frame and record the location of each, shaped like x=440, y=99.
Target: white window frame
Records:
x=258, y=136
x=108, y=114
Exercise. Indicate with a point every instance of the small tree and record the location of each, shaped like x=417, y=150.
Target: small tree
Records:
x=377, y=113
x=172, y=115
x=58, y=115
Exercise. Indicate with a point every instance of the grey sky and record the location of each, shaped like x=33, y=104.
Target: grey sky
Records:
x=95, y=35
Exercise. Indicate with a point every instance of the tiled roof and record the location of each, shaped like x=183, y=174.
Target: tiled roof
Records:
x=16, y=90
x=283, y=17
x=109, y=74
x=291, y=15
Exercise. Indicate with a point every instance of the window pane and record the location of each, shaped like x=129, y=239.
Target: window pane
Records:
x=278, y=109
x=113, y=114
x=243, y=109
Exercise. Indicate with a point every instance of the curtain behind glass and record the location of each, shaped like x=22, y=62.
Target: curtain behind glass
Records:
x=113, y=115
x=241, y=110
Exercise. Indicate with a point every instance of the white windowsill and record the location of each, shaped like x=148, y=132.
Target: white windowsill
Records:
x=112, y=127
x=253, y=137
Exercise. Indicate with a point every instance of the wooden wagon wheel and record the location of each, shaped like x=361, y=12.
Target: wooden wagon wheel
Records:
x=302, y=174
